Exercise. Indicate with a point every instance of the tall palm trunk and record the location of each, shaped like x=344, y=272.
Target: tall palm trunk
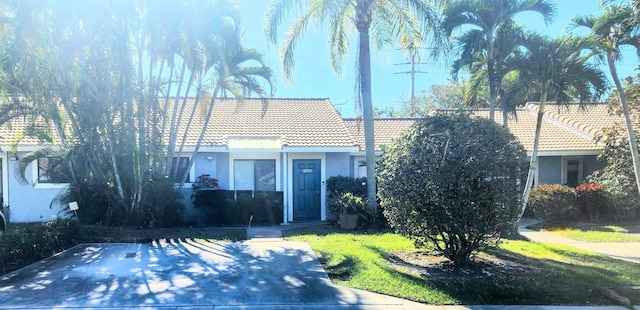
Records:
x=490, y=75
x=633, y=143
x=534, y=154
x=202, y=133
x=176, y=130
x=173, y=117
x=186, y=133
x=363, y=24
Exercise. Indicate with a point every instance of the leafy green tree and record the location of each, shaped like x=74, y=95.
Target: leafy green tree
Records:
x=486, y=17
x=558, y=67
x=618, y=176
x=451, y=95
x=611, y=30
x=95, y=73
x=384, y=21
x=452, y=182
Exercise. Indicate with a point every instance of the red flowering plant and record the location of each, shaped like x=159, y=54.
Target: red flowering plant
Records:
x=593, y=201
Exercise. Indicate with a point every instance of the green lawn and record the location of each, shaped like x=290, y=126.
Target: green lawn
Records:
x=523, y=272
x=599, y=233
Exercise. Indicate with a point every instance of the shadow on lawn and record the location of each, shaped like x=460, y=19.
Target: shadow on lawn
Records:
x=340, y=271
x=540, y=281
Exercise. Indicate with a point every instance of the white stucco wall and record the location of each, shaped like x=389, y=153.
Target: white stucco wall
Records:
x=30, y=202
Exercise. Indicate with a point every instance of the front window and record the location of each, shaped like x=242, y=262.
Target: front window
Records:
x=182, y=165
x=255, y=175
x=362, y=169
x=50, y=170
x=572, y=171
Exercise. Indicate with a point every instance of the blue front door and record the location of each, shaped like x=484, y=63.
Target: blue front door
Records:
x=306, y=190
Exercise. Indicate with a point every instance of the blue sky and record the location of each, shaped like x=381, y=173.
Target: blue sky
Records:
x=314, y=79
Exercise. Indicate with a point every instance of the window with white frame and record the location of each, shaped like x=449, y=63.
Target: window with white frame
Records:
x=182, y=166
x=50, y=170
x=360, y=168
x=255, y=175
x=572, y=171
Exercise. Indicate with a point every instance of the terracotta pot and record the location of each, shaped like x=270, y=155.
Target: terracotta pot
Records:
x=348, y=221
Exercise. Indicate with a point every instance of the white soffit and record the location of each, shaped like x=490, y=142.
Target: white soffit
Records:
x=254, y=143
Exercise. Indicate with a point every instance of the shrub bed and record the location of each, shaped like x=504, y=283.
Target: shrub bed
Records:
x=23, y=244
x=560, y=203
x=594, y=203
x=219, y=207
x=553, y=202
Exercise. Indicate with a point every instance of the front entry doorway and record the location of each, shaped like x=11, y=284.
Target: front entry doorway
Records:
x=306, y=190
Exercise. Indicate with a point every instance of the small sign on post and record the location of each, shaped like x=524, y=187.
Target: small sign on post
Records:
x=73, y=206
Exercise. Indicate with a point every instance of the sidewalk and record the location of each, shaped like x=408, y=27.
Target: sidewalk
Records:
x=628, y=251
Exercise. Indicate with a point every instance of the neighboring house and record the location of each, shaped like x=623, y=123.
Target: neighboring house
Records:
x=294, y=145
x=567, y=151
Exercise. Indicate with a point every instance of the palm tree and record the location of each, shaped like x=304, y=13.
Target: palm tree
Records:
x=508, y=41
x=234, y=76
x=612, y=29
x=486, y=17
x=558, y=68
x=90, y=76
x=383, y=21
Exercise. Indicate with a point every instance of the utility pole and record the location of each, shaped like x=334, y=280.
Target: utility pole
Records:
x=413, y=62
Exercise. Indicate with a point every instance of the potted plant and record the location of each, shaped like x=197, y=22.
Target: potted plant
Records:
x=348, y=207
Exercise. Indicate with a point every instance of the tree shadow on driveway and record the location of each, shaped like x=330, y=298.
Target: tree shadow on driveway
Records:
x=175, y=273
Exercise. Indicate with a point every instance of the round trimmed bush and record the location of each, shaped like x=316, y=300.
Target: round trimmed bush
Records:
x=453, y=182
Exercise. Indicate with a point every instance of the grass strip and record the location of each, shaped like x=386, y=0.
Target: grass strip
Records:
x=520, y=272
x=599, y=233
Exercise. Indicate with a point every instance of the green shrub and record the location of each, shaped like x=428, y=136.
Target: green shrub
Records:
x=23, y=244
x=160, y=206
x=453, y=182
x=339, y=185
x=92, y=201
x=553, y=202
x=594, y=203
x=350, y=204
x=618, y=175
x=219, y=207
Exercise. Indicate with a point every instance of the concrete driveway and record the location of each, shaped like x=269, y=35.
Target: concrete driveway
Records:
x=185, y=273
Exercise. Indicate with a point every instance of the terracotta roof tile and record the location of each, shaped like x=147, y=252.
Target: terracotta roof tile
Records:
x=294, y=122
x=589, y=118
x=385, y=129
x=303, y=123
x=554, y=136
x=10, y=130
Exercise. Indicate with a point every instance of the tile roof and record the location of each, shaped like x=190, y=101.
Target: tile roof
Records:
x=553, y=136
x=385, y=130
x=285, y=122
x=589, y=118
x=250, y=123
x=10, y=131
x=570, y=127
x=310, y=123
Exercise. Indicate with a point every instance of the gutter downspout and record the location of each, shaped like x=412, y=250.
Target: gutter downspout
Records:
x=286, y=187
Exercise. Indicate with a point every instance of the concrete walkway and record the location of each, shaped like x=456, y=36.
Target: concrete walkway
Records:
x=628, y=251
